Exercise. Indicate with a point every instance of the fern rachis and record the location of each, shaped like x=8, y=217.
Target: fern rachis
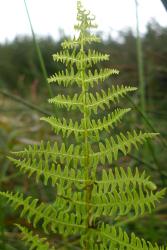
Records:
x=85, y=196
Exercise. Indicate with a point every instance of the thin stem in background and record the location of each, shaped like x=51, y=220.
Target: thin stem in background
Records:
x=22, y=101
x=40, y=57
x=140, y=63
x=134, y=219
x=164, y=2
x=147, y=121
x=150, y=146
x=142, y=86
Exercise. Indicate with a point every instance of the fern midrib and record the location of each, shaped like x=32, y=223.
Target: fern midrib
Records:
x=52, y=153
x=85, y=113
x=77, y=59
x=132, y=180
x=70, y=102
x=141, y=200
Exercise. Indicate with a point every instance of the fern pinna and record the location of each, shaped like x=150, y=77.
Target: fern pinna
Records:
x=90, y=199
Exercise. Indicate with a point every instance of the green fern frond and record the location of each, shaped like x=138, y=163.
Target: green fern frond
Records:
x=75, y=42
x=85, y=19
x=107, y=121
x=34, y=241
x=53, y=173
x=110, y=149
x=67, y=128
x=67, y=101
x=110, y=237
x=93, y=102
x=94, y=57
x=66, y=155
x=113, y=203
x=66, y=78
x=91, y=58
x=85, y=25
x=101, y=99
x=66, y=57
x=55, y=220
x=121, y=180
x=90, y=39
x=99, y=76
x=70, y=44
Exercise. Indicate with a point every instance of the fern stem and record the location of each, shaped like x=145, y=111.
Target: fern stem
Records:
x=86, y=143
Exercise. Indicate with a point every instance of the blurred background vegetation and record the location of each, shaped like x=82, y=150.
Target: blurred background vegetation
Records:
x=23, y=100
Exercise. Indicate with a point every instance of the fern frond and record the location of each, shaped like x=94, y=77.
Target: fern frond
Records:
x=71, y=155
x=66, y=78
x=110, y=149
x=50, y=172
x=93, y=101
x=113, y=203
x=85, y=26
x=75, y=42
x=121, y=180
x=34, y=241
x=67, y=128
x=70, y=43
x=91, y=39
x=101, y=99
x=56, y=220
x=99, y=76
x=67, y=101
x=65, y=57
x=91, y=58
x=85, y=20
x=107, y=121
x=94, y=57
x=110, y=237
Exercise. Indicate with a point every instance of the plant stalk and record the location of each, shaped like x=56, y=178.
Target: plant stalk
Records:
x=140, y=63
x=88, y=189
x=39, y=54
x=23, y=102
